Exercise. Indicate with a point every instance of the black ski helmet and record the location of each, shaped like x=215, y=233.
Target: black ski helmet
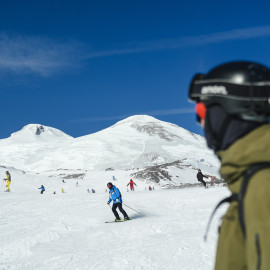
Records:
x=109, y=185
x=241, y=88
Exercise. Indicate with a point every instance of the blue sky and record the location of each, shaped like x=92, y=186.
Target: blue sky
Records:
x=81, y=66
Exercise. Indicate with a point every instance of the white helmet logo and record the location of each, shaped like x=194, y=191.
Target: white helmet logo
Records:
x=215, y=89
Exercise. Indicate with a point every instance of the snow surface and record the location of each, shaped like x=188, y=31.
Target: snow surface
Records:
x=68, y=230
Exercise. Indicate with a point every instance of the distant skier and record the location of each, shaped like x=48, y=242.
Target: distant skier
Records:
x=113, y=178
x=77, y=184
x=131, y=184
x=62, y=190
x=42, y=189
x=63, y=181
x=116, y=197
x=200, y=177
x=8, y=181
x=88, y=190
x=93, y=191
x=150, y=189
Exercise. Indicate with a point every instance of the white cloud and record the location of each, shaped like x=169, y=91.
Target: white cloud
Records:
x=187, y=41
x=43, y=56
x=120, y=117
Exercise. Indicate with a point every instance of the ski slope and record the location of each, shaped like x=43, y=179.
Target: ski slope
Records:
x=68, y=230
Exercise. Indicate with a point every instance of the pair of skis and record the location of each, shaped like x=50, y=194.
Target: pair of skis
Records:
x=117, y=221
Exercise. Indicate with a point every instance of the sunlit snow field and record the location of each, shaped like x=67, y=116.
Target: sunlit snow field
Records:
x=68, y=230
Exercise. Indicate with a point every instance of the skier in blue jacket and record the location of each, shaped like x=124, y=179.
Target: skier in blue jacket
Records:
x=42, y=189
x=115, y=196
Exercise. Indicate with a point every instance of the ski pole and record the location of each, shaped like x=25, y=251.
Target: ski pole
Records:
x=2, y=184
x=131, y=208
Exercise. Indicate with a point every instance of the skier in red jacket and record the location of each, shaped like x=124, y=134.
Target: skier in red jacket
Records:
x=131, y=184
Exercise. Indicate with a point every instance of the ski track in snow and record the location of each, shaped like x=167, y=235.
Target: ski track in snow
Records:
x=140, y=154
x=68, y=231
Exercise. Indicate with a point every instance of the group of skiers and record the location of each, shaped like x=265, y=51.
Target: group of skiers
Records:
x=42, y=189
x=114, y=196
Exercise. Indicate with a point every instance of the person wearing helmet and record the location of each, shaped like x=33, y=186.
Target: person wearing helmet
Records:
x=8, y=181
x=200, y=177
x=115, y=196
x=233, y=107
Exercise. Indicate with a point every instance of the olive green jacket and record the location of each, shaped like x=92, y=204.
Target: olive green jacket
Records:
x=235, y=251
x=252, y=148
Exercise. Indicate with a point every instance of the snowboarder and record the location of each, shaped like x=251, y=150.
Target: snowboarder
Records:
x=233, y=108
x=150, y=189
x=8, y=181
x=200, y=177
x=131, y=184
x=42, y=189
x=116, y=197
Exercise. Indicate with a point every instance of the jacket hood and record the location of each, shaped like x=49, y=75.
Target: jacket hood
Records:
x=250, y=149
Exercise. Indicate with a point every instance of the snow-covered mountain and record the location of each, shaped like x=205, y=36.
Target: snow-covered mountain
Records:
x=67, y=230
x=135, y=142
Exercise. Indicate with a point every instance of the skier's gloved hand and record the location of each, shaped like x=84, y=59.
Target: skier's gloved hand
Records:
x=108, y=202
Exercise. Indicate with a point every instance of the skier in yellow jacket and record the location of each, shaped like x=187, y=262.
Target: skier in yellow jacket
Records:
x=8, y=181
x=233, y=107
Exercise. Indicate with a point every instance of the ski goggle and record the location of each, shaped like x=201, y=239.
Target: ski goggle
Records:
x=200, y=110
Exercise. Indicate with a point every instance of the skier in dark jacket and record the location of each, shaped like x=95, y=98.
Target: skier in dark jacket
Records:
x=200, y=177
x=115, y=196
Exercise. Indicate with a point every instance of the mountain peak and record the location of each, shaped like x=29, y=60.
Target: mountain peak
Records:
x=141, y=117
x=32, y=132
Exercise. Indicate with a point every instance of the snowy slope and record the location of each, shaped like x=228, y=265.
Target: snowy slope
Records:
x=135, y=142
x=32, y=147
x=67, y=230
